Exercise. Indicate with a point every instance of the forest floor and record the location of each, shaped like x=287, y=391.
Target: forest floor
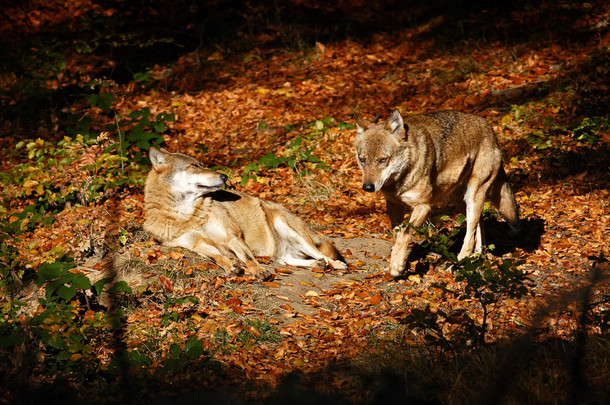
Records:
x=276, y=116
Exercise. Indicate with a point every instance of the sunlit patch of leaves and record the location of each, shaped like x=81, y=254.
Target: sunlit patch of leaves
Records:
x=298, y=155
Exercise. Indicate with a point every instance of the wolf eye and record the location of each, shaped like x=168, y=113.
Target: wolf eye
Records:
x=362, y=159
x=383, y=160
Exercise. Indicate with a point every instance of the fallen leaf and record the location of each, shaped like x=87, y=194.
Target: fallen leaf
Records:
x=177, y=256
x=375, y=299
x=272, y=284
x=167, y=283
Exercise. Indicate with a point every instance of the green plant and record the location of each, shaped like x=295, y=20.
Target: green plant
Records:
x=258, y=331
x=66, y=328
x=298, y=155
x=589, y=129
x=295, y=157
x=172, y=315
x=145, y=129
x=249, y=333
x=84, y=170
x=539, y=140
x=62, y=285
x=180, y=355
x=137, y=131
x=481, y=279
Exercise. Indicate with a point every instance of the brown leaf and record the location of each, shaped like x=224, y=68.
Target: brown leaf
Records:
x=234, y=301
x=167, y=283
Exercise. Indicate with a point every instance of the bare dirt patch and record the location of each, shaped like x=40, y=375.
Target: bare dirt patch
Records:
x=293, y=287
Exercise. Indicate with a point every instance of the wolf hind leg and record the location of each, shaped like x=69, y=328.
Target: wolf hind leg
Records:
x=298, y=248
x=329, y=250
x=474, y=198
x=502, y=197
x=458, y=201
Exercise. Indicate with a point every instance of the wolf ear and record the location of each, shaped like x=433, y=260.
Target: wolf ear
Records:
x=157, y=157
x=395, y=124
x=361, y=124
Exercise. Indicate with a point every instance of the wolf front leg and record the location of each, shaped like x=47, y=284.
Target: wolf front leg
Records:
x=240, y=249
x=196, y=242
x=400, y=250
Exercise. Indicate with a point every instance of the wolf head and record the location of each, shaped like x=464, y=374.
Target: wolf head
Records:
x=377, y=147
x=184, y=174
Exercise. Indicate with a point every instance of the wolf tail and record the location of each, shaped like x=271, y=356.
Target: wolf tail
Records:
x=502, y=197
x=329, y=250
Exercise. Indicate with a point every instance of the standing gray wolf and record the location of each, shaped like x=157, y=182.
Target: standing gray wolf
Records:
x=185, y=207
x=427, y=159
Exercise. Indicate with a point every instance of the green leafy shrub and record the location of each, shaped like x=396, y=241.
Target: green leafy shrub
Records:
x=298, y=155
x=180, y=355
x=481, y=279
x=134, y=132
x=66, y=328
x=590, y=129
x=144, y=130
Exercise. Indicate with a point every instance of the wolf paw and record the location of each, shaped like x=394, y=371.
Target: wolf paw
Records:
x=395, y=273
x=396, y=270
x=462, y=255
x=236, y=269
x=338, y=264
x=263, y=275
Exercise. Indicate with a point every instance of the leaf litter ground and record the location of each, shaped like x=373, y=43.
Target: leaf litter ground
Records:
x=322, y=319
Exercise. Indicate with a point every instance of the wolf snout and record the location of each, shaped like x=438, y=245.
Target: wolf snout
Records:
x=368, y=187
x=224, y=177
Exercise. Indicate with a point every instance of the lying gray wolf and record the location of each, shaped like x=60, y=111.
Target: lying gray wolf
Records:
x=423, y=160
x=185, y=207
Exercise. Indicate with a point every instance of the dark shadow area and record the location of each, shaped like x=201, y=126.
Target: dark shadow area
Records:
x=528, y=239
x=590, y=163
x=498, y=234
x=527, y=370
x=121, y=39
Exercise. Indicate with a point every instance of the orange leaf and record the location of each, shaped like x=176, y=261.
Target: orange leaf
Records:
x=176, y=256
x=233, y=301
x=255, y=331
x=273, y=284
x=375, y=299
